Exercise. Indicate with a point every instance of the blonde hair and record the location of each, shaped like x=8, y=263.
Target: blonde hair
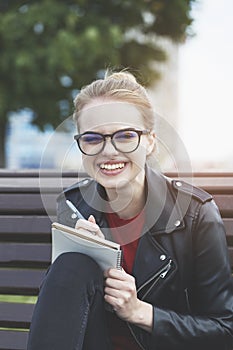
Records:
x=119, y=86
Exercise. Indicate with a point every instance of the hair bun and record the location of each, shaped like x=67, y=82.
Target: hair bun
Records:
x=123, y=75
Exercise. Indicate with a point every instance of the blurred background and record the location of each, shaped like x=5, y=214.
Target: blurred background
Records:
x=181, y=50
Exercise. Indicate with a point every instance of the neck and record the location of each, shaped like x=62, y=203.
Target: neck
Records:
x=128, y=200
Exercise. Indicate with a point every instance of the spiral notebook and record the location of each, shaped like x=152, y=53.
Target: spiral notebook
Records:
x=67, y=239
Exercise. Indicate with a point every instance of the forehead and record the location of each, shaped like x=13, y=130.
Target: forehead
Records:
x=109, y=115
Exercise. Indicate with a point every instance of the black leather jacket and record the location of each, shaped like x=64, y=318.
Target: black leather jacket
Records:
x=181, y=266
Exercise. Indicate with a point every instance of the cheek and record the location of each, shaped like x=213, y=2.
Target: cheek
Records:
x=87, y=163
x=139, y=157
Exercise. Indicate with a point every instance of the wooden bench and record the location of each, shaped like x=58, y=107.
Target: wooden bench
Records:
x=25, y=240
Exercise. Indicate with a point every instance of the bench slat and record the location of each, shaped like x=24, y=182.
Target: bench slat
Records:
x=13, y=340
x=27, y=281
x=55, y=182
x=32, y=203
x=19, y=224
x=24, y=254
x=228, y=224
x=29, y=184
x=225, y=204
x=25, y=224
x=222, y=184
x=21, y=281
x=32, y=254
x=16, y=315
x=32, y=224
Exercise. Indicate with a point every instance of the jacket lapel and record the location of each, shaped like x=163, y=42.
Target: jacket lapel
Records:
x=163, y=216
x=163, y=213
x=150, y=259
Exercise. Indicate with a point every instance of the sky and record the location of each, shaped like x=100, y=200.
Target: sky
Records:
x=205, y=85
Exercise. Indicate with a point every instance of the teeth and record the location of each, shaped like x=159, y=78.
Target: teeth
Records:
x=112, y=166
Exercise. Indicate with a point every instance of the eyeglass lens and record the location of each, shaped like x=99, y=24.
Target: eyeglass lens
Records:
x=123, y=141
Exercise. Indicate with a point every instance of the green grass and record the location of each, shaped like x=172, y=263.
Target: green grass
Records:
x=14, y=329
x=18, y=299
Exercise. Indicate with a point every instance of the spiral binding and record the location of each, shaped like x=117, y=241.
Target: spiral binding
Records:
x=119, y=259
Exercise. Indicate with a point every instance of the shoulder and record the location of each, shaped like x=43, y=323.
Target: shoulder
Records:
x=177, y=186
x=75, y=188
x=200, y=204
x=184, y=188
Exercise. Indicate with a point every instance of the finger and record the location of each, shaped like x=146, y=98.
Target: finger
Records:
x=117, y=274
x=117, y=303
x=87, y=225
x=117, y=293
x=110, y=300
x=120, y=286
x=98, y=232
x=92, y=219
x=78, y=224
x=90, y=226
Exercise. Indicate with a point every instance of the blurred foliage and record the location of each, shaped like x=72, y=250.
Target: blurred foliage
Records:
x=50, y=48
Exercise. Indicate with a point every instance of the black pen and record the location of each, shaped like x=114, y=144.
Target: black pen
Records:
x=74, y=209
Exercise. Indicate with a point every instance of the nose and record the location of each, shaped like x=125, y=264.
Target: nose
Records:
x=109, y=148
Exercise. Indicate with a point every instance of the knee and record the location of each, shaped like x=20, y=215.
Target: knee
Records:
x=76, y=262
x=70, y=268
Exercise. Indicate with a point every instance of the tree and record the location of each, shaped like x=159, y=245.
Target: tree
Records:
x=50, y=48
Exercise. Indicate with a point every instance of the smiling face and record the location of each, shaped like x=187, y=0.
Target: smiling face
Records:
x=112, y=168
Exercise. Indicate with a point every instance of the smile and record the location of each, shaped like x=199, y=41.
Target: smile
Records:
x=115, y=166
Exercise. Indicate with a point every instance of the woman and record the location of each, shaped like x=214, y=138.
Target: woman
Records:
x=175, y=288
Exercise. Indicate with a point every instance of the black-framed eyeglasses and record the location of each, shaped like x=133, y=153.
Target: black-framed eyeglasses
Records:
x=125, y=141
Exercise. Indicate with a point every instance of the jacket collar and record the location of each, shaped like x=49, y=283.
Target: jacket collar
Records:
x=163, y=211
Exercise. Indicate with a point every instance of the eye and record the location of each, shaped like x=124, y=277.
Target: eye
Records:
x=125, y=135
x=91, y=138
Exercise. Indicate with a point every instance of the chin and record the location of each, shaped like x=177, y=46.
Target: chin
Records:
x=112, y=182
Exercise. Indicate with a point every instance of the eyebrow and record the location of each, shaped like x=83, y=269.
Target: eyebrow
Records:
x=112, y=132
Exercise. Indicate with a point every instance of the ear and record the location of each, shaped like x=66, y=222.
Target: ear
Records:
x=151, y=142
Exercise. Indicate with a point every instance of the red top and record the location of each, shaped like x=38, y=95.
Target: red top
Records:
x=126, y=233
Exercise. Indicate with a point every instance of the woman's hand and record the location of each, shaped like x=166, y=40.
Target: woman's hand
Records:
x=89, y=226
x=120, y=292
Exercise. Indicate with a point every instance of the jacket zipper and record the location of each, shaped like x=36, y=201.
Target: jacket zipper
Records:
x=162, y=273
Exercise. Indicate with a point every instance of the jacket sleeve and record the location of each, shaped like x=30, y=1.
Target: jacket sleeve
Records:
x=209, y=325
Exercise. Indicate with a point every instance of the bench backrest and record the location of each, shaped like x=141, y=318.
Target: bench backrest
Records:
x=25, y=240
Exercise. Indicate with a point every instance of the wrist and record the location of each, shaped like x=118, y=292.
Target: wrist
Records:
x=143, y=316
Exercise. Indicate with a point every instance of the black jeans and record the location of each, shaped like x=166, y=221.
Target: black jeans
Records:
x=70, y=312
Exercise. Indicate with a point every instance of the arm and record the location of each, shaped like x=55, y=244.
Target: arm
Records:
x=210, y=324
